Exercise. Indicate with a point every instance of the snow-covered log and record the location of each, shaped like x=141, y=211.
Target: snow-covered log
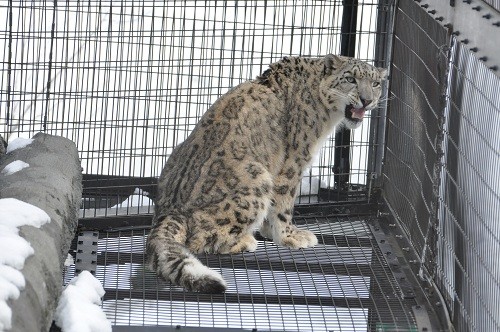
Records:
x=44, y=172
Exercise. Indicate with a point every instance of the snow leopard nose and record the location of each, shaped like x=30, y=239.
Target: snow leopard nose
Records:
x=366, y=102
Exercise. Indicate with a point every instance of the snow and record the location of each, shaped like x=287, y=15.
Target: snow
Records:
x=14, y=167
x=69, y=260
x=139, y=191
x=14, y=250
x=310, y=185
x=138, y=198
x=11, y=283
x=18, y=143
x=79, y=308
x=16, y=213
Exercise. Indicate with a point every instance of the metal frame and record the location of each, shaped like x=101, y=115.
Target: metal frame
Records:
x=341, y=166
x=86, y=251
x=390, y=260
x=383, y=57
x=474, y=23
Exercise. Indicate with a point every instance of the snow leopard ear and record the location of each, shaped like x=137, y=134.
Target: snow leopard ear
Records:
x=382, y=73
x=332, y=63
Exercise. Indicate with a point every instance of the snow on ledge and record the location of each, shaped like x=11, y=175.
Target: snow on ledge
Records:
x=310, y=185
x=79, y=308
x=14, y=250
x=138, y=198
x=18, y=143
x=14, y=167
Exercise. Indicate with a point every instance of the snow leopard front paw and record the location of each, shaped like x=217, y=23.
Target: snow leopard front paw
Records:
x=297, y=238
x=245, y=243
x=288, y=235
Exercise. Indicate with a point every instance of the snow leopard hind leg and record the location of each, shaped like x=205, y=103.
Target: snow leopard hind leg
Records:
x=171, y=260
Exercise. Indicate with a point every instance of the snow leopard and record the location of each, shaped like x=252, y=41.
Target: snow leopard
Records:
x=3, y=146
x=239, y=169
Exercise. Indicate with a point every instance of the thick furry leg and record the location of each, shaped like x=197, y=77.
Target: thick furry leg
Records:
x=296, y=238
x=173, y=262
x=246, y=243
x=278, y=225
x=288, y=235
x=266, y=230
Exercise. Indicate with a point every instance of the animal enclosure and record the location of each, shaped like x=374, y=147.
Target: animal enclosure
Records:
x=405, y=208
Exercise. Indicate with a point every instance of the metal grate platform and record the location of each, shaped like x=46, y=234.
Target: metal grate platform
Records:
x=348, y=282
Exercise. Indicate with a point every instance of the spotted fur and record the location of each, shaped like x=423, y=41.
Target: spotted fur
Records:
x=3, y=146
x=239, y=169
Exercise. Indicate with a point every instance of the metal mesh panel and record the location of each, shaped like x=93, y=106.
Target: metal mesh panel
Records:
x=343, y=284
x=414, y=115
x=441, y=165
x=128, y=80
x=468, y=269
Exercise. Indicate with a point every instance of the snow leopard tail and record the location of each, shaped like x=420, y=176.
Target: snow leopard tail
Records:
x=171, y=260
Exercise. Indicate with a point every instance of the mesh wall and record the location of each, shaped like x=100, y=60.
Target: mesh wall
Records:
x=468, y=268
x=414, y=115
x=493, y=3
x=441, y=165
x=128, y=80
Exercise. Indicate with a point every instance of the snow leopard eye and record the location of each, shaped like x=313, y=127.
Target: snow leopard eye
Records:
x=350, y=79
x=376, y=84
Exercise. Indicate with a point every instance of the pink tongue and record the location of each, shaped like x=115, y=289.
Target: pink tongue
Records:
x=358, y=113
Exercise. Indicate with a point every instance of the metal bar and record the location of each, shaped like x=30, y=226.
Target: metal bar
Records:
x=86, y=252
x=383, y=55
x=250, y=263
x=96, y=184
x=176, y=328
x=342, y=166
x=167, y=295
x=425, y=293
x=109, y=223
x=304, y=214
x=51, y=63
x=9, y=73
x=422, y=318
x=406, y=288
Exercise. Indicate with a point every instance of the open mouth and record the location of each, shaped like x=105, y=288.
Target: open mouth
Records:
x=354, y=114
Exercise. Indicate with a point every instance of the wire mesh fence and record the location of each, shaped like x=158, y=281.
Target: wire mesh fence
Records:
x=469, y=196
x=415, y=111
x=442, y=162
x=343, y=284
x=128, y=80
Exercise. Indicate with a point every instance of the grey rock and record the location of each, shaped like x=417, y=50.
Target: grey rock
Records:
x=52, y=182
